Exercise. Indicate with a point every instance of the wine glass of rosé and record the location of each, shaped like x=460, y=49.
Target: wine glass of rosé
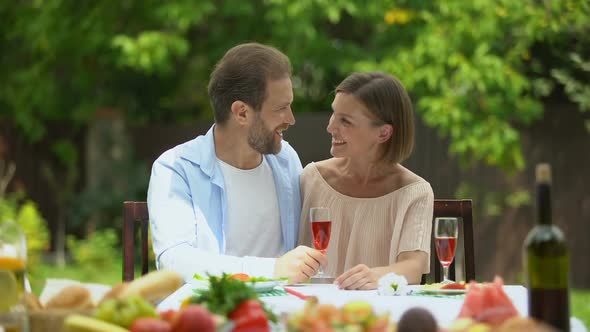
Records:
x=321, y=227
x=446, y=231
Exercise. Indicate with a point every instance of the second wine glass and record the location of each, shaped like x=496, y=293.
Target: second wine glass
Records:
x=446, y=231
x=321, y=227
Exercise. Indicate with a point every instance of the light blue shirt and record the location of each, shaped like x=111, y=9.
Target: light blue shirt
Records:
x=188, y=209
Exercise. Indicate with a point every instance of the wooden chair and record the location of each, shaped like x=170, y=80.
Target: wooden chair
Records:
x=134, y=212
x=459, y=209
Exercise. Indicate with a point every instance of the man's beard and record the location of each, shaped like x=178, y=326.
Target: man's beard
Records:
x=261, y=139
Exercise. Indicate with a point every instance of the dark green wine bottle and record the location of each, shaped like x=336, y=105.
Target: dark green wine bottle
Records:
x=546, y=260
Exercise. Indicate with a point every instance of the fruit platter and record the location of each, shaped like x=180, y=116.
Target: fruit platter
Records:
x=486, y=308
x=228, y=304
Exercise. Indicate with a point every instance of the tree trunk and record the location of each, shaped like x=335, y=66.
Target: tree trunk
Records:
x=60, y=241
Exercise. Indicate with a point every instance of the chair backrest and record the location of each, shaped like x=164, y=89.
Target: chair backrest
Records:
x=133, y=213
x=459, y=209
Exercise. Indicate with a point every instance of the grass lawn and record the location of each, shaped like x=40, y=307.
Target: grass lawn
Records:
x=580, y=299
x=580, y=303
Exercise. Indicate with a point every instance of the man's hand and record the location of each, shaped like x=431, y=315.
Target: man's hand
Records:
x=359, y=277
x=299, y=264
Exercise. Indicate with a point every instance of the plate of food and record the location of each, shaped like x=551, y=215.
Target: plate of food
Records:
x=439, y=291
x=264, y=286
x=258, y=284
x=455, y=288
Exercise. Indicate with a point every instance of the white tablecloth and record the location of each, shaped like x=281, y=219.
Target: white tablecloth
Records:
x=444, y=309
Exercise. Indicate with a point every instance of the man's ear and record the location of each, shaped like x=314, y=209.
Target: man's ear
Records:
x=385, y=133
x=239, y=111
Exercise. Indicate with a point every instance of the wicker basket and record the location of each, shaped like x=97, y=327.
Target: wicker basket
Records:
x=51, y=319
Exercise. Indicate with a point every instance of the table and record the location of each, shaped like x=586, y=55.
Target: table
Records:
x=444, y=309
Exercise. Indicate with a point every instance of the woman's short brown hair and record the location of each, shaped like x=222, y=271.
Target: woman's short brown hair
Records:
x=388, y=102
x=242, y=74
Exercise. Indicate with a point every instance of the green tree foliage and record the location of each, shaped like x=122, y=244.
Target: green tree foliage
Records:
x=478, y=70
x=576, y=83
x=96, y=251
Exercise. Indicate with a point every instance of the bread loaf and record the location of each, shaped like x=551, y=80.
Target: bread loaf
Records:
x=115, y=292
x=71, y=297
x=154, y=286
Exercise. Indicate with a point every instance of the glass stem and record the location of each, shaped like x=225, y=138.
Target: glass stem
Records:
x=445, y=273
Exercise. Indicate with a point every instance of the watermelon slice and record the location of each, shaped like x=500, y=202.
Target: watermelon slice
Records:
x=488, y=303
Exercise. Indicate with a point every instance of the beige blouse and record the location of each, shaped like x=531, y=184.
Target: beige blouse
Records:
x=370, y=231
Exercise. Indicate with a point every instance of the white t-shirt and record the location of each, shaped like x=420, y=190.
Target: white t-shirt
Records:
x=253, y=222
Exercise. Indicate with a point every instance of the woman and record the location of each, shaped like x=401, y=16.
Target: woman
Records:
x=381, y=211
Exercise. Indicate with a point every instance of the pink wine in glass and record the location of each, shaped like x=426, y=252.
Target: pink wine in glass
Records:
x=445, y=249
x=321, y=234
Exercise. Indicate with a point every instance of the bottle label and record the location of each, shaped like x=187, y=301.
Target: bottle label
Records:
x=548, y=272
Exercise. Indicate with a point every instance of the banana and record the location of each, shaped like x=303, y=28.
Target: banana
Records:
x=79, y=323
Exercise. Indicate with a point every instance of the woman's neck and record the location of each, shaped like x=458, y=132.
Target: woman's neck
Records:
x=366, y=172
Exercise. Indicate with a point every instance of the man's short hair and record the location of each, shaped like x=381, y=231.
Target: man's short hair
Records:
x=388, y=102
x=242, y=74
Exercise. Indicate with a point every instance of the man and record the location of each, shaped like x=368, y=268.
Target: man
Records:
x=229, y=201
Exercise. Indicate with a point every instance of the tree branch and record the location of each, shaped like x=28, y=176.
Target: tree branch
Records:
x=6, y=175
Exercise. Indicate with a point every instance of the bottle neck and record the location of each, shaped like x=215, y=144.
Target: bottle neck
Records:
x=544, y=204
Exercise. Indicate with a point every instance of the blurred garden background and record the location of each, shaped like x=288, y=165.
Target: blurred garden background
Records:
x=91, y=92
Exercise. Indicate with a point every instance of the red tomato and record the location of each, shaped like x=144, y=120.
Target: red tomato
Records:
x=249, y=317
x=149, y=324
x=194, y=318
x=240, y=276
